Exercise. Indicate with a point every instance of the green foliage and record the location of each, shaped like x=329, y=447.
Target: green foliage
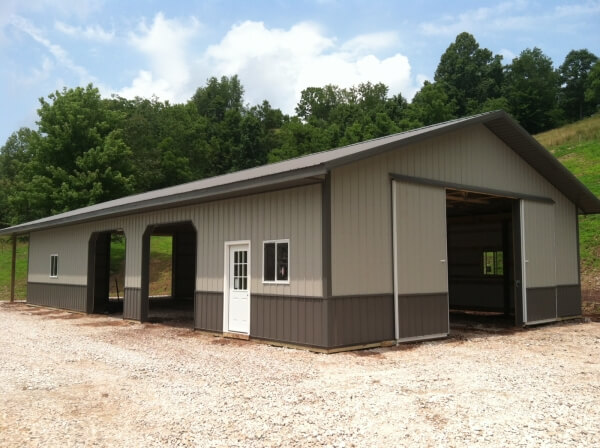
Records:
x=432, y=105
x=592, y=88
x=574, y=73
x=470, y=74
x=531, y=88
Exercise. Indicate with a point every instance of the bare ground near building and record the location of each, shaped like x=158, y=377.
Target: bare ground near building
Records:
x=69, y=379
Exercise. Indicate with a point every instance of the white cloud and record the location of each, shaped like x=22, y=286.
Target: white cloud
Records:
x=94, y=32
x=509, y=15
x=59, y=54
x=78, y=8
x=276, y=64
x=272, y=63
x=480, y=18
x=166, y=45
x=371, y=42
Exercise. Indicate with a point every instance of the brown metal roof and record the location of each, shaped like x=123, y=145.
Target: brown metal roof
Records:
x=310, y=168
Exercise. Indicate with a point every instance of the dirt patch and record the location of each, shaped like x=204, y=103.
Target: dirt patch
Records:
x=230, y=341
x=44, y=312
x=367, y=354
x=69, y=316
x=105, y=323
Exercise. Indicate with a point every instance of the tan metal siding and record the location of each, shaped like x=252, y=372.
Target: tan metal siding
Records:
x=421, y=239
x=565, y=223
x=539, y=251
x=293, y=214
x=361, y=210
x=361, y=229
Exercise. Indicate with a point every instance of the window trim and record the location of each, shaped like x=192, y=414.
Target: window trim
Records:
x=289, y=270
x=56, y=273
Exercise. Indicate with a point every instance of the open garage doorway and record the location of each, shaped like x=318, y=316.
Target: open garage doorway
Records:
x=169, y=274
x=106, y=272
x=484, y=268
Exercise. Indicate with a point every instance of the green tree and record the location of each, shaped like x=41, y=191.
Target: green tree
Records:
x=592, y=91
x=470, y=74
x=219, y=96
x=574, y=73
x=531, y=89
x=15, y=156
x=431, y=105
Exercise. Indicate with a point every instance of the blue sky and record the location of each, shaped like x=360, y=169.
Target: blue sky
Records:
x=277, y=48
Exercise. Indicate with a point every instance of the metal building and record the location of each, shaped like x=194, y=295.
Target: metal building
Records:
x=364, y=244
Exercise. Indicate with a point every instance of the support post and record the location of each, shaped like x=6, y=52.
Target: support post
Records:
x=13, y=268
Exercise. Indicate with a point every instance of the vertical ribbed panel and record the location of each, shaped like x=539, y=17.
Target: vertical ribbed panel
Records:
x=422, y=315
x=539, y=236
x=421, y=239
x=295, y=320
x=361, y=320
x=565, y=223
x=132, y=304
x=209, y=311
x=68, y=297
x=568, y=300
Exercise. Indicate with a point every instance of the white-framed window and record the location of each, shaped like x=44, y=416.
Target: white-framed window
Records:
x=276, y=261
x=54, y=265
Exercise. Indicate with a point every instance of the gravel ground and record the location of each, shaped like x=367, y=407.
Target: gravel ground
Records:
x=73, y=380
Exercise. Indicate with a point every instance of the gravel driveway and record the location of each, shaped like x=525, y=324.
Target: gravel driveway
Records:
x=74, y=380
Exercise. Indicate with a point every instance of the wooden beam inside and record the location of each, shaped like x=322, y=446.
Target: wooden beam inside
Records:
x=13, y=268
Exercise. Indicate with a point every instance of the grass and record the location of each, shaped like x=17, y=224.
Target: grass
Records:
x=20, y=271
x=160, y=265
x=585, y=130
x=577, y=146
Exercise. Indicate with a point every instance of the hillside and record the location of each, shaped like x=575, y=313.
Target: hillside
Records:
x=577, y=146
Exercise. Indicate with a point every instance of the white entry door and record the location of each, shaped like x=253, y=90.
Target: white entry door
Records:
x=239, y=288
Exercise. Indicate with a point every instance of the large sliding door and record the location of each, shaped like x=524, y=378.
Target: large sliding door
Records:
x=420, y=260
x=539, y=261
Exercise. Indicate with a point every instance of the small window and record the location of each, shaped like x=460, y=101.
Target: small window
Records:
x=493, y=262
x=54, y=265
x=276, y=261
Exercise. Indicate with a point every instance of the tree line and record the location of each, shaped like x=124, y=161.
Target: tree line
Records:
x=89, y=149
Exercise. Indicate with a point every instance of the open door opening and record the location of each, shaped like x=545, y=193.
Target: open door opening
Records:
x=483, y=260
x=170, y=274
x=106, y=272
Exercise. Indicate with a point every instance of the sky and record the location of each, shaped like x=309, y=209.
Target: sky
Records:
x=277, y=48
